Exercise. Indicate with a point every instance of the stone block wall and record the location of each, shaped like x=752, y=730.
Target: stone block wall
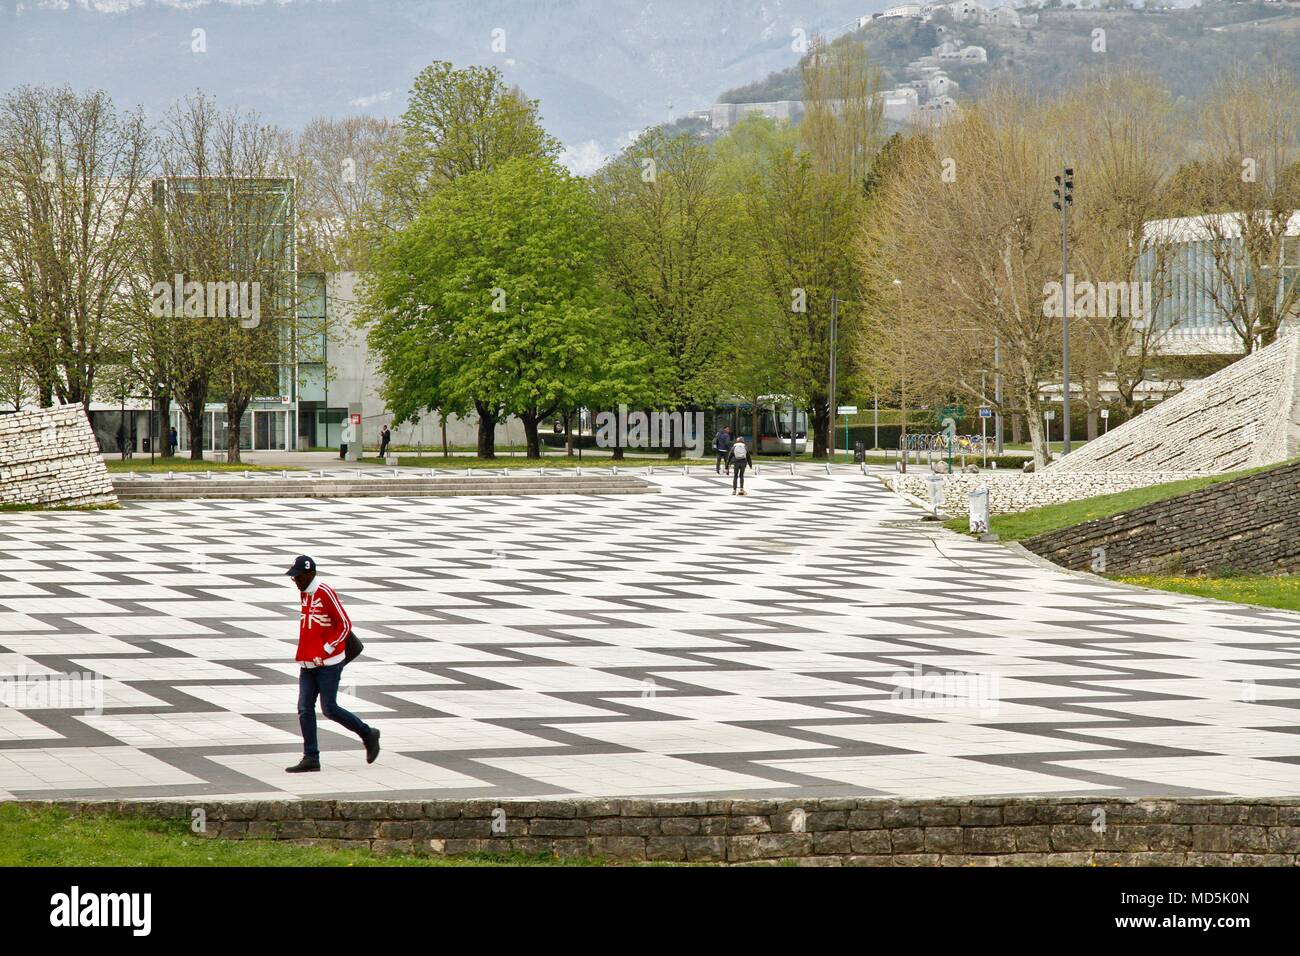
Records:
x=1246, y=525
x=49, y=457
x=815, y=831
x=1016, y=491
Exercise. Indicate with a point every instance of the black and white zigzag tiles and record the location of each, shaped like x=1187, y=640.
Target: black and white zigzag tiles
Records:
x=812, y=638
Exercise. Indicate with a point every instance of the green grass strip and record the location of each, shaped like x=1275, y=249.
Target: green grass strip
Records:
x=50, y=836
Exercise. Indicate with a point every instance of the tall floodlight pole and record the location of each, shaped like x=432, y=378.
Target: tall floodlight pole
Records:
x=1064, y=193
x=997, y=392
x=832, y=407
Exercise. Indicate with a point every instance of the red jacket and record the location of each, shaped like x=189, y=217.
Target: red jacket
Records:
x=322, y=624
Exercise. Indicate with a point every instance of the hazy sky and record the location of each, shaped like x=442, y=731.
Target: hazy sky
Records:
x=602, y=69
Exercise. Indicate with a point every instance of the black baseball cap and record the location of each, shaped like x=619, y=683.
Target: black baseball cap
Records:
x=301, y=565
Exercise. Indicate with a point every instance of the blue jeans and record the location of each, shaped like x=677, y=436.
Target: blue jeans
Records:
x=323, y=682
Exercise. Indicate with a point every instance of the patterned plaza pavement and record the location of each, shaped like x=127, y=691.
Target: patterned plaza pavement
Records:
x=814, y=638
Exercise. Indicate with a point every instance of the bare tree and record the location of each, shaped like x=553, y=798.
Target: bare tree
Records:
x=335, y=164
x=227, y=223
x=72, y=171
x=1249, y=190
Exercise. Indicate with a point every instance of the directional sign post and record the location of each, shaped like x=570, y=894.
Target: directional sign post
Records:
x=1105, y=420
x=846, y=411
x=985, y=414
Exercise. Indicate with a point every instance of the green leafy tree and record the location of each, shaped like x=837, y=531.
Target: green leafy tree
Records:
x=671, y=262
x=457, y=121
x=492, y=298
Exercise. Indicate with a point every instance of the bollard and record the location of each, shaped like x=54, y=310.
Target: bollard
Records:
x=686, y=469
x=171, y=475
x=792, y=468
x=828, y=468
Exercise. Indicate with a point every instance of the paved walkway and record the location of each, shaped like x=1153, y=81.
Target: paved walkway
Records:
x=813, y=638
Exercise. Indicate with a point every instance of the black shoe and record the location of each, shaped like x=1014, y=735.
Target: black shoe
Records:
x=305, y=765
x=372, y=745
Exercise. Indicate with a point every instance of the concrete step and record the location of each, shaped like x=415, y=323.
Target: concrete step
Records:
x=181, y=489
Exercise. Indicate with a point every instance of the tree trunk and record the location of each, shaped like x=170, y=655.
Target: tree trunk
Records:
x=193, y=401
x=530, y=419
x=1037, y=437
x=164, y=425
x=568, y=434
x=444, y=435
x=234, y=419
x=675, y=451
x=1092, y=393
x=487, y=425
x=821, y=426
x=1015, y=429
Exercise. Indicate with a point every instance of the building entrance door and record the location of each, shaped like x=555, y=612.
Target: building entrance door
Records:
x=268, y=430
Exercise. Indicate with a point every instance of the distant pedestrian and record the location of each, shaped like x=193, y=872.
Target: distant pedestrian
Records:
x=345, y=430
x=738, y=461
x=384, y=437
x=323, y=629
x=172, y=440
x=722, y=447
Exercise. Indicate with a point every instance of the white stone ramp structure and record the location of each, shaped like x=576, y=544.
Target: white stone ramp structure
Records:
x=1244, y=416
x=50, y=457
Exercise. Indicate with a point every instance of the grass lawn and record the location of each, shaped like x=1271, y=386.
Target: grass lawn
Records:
x=1053, y=446
x=49, y=836
x=1280, y=591
x=165, y=465
x=1015, y=527
x=519, y=461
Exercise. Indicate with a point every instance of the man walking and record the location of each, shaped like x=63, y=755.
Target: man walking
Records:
x=384, y=437
x=722, y=446
x=737, y=462
x=323, y=628
x=172, y=439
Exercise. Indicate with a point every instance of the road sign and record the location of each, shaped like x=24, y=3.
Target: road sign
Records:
x=356, y=419
x=1049, y=414
x=848, y=410
x=955, y=412
x=986, y=412
x=1105, y=413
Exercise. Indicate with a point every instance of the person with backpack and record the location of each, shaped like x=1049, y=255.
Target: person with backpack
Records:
x=722, y=445
x=323, y=629
x=737, y=462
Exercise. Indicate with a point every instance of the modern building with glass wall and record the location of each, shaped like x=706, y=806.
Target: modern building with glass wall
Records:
x=1183, y=252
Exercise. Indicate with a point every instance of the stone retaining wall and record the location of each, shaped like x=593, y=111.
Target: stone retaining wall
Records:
x=825, y=831
x=50, y=457
x=1012, y=492
x=1248, y=525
